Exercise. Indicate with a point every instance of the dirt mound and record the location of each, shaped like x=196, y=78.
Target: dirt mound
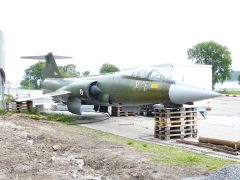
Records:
x=31, y=149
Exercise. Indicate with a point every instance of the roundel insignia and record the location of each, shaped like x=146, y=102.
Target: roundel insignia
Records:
x=81, y=92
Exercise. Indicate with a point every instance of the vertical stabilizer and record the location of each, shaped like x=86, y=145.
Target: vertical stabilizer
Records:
x=51, y=69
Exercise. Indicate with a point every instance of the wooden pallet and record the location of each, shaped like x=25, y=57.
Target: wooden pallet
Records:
x=118, y=111
x=175, y=128
x=175, y=119
x=175, y=123
x=170, y=113
x=175, y=136
x=175, y=110
x=20, y=106
x=167, y=134
x=181, y=131
x=178, y=115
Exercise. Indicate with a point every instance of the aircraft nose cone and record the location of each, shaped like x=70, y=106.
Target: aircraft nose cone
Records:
x=182, y=94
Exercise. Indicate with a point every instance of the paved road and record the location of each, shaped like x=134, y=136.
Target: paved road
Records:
x=222, y=122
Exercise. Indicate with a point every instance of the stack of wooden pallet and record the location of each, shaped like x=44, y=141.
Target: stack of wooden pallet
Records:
x=20, y=106
x=175, y=123
x=118, y=111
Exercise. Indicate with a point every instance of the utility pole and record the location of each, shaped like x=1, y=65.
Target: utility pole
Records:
x=29, y=83
x=17, y=85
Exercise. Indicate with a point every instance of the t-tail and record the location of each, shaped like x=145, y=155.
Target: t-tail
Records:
x=51, y=69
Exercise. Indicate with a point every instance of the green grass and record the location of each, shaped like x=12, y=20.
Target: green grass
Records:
x=34, y=114
x=144, y=145
x=230, y=92
x=50, y=116
x=58, y=117
x=2, y=111
x=171, y=156
x=129, y=143
x=159, y=154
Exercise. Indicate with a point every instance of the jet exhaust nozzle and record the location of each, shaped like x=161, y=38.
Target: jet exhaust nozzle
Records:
x=95, y=90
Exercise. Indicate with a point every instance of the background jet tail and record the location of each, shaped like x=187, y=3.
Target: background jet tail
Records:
x=51, y=69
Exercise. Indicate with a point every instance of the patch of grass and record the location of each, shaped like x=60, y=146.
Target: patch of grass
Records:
x=50, y=116
x=230, y=92
x=8, y=98
x=34, y=111
x=164, y=154
x=129, y=143
x=144, y=145
x=160, y=154
x=58, y=117
x=190, y=159
x=3, y=111
x=32, y=116
x=35, y=114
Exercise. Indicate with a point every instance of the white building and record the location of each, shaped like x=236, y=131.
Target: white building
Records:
x=229, y=85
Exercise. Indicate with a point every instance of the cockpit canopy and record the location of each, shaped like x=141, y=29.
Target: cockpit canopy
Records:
x=149, y=73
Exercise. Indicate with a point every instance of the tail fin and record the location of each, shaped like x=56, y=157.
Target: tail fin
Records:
x=51, y=69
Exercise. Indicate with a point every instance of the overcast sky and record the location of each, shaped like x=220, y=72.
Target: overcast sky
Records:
x=126, y=33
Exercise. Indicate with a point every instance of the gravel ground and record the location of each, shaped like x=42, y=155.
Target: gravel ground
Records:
x=228, y=172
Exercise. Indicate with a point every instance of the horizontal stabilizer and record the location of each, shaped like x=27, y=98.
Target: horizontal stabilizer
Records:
x=22, y=99
x=58, y=93
x=51, y=69
x=47, y=95
x=44, y=57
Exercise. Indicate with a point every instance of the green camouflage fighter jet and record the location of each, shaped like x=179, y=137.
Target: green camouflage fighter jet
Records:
x=131, y=88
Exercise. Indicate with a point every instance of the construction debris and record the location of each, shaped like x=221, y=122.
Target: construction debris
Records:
x=219, y=148
x=125, y=124
x=56, y=147
x=232, y=144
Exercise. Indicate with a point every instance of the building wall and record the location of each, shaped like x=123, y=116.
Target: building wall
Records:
x=229, y=85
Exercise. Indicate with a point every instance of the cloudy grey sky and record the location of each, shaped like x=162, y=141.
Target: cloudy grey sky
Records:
x=127, y=33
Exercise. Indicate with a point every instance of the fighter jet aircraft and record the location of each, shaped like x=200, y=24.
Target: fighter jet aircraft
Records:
x=131, y=88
